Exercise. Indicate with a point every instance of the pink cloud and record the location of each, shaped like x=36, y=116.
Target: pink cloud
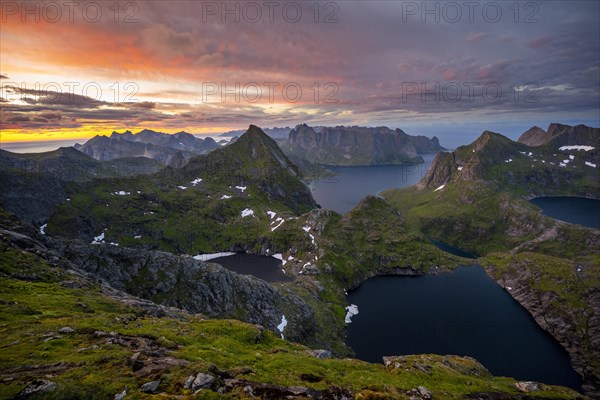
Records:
x=538, y=42
x=476, y=37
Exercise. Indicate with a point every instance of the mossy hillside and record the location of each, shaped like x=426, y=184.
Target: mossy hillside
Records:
x=32, y=312
x=478, y=218
x=193, y=220
x=374, y=238
x=175, y=211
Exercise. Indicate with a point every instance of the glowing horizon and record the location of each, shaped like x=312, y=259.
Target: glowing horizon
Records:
x=205, y=69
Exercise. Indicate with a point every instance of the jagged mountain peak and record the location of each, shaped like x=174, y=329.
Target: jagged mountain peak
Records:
x=254, y=159
x=559, y=134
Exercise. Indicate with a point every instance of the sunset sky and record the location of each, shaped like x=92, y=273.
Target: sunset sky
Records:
x=164, y=64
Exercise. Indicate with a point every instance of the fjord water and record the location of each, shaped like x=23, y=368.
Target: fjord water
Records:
x=350, y=185
x=263, y=267
x=462, y=313
x=576, y=210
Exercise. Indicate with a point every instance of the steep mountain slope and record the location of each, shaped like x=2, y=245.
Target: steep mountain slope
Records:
x=357, y=145
x=531, y=172
x=168, y=209
x=172, y=150
x=257, y=160
x=559, y=135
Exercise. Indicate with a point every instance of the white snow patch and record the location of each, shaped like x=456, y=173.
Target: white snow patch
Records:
x=247, y=212
x=509, y=160
x=508, y=288
x=576, y=147
x=182, y=187
x=281, y=221
x=530, y=154
x=68, y=199
x=122, y=193
x=306, y=228
x=566, y=161
x=440, y=188
x=572, y=157
x=42, y=229
x=589, y=164
x=312, y=238
x=352, y=310
x=460, y=168
x=282, y=325
x=114, y=244
x=242, y=188
x=99, y=239
x=562, y=165
x=137, y=237
x=271, y=214
x=196, y=181
x=210, y=256
x=225, y=197
x=279, y=256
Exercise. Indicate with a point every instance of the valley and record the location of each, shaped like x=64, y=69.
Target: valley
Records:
x=145, y=241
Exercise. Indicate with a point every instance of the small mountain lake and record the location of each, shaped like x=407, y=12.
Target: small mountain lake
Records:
x=343, y=191
x=462, y=313
x=263, y=267
x=576, y=210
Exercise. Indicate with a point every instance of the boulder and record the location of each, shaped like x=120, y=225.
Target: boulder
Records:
x=150, y=387
x=202, y=381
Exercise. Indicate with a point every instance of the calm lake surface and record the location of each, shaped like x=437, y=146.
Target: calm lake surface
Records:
x=463, y=313
x=263, y=267
x=576, y=210
x=350, y=185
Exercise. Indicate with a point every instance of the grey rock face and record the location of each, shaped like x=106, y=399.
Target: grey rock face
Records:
x=561, y=135
x=194, y=286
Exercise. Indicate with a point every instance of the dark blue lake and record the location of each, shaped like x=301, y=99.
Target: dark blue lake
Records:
x=350, y=185
x=462, y=313
x=263, y=267
x=576, y=210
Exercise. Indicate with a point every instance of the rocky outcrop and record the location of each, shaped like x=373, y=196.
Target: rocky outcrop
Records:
x=195, y=286
x=559, y=135
x=355, y=145
x=173, y=150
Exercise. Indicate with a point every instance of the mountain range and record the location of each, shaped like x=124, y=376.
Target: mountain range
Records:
x=356, y=146
x=173, y=150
